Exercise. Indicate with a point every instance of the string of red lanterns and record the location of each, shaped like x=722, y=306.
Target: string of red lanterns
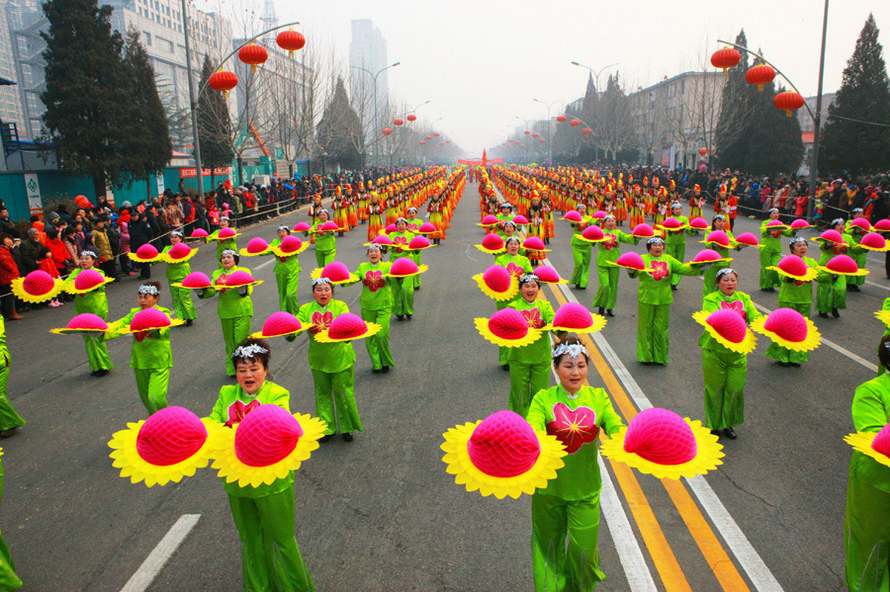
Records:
x=760, y=74
x=255, y=55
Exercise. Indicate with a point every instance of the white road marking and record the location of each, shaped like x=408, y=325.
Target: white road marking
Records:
x=881, y=286
x=154, y=563
x=266, y=264
x=739, y=545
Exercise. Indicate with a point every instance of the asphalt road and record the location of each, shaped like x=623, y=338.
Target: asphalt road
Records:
x=380, y=513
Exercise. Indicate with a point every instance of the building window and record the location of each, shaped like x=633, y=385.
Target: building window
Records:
x=165, y=44
x=147, y=37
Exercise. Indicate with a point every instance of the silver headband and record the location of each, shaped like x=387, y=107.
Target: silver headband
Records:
x=88, y=254
x=776, y=210
x=231, y=252
x=529, y=277
x=573, y=350
x=837, y=221
x=401, y=219
x=285, y=228
x=176, y=233
x=797, y=239
x=655, y=240
x=676, y=206
x=324, y=211
x=610, y=217
x=511, y=223
x=373, y=247
x=719, y=217
x=221, y=218
x=322, y=280
x=148, y=289
x=248, y=352
x=725, y=271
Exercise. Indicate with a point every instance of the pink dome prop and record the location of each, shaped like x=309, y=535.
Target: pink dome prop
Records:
x=489, y=220
x=572, y=315
x=881, y=443
x=196, y=279
x=266, y=435
x=493, y=242
x=179, y=250
x=832, y=236
x=497, y=278
x=226, y=233
x=643, y=231
x=573, y=216
x=842, y=264
x=302, y=227
x=873, y=240
x=729, y=324
x=883, y=225
x=239, y=278
x=257, y=245
x=403, y=266
x=336, y=271
x=592, y=233
x=599, y=215
x=631, y=259
x=861, y=223
x=279, y=323
x=747, y=238
x=799, y=224
x=419, y=242
x=788, y=324
x=546, y=274
x=290, y=244
x=533, y=243
x=347, y=325
x=38, y=282
x=719, y=237
x=672, y=223
x=660, y=436
x=198, y=233
x=503, y=445
x=427, y=227
x=793, y=265
x=147, y=251
x=520, y=220
x=698, y=223
x=150, y=318
x=508, y=324
x=706, y=256
x=389, y=228
x=88, y=278
x=382, y=239
x=170, y=436
x=328, y=226
x=87, y=320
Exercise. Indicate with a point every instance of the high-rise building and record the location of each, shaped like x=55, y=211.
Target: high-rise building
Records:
x=367, y=56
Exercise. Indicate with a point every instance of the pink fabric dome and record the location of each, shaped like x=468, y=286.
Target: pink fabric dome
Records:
x=279, y=323
x=508, y=323
x=302, y=227
x=719, y=237
x=729, y=324
x=793, y=264
x=660, y=436
x=747, y=238
x=497, y=278
x=706, y=255
x=546, y=274
x=787, y=323
x=698, y=223
x=533, y=243
x=347, y=325
x=239, y=278
x=336, y=271
x=38, y=282
x=266, y=435
x=873, y=240
x=489, y=219
x=419, y=242
x=573, y=216
x=572, y=315
x=150, y=318
x=593, y=232
x=196, y=279
x=290, y=244
x=503, y=445
x=631, y=259
x=492, y=242
x=881, y=443
x=147, y=251
x=403, y=266
x=170, y=436
x=832, y=235
x=842, y=264
x=226, y=233
x=87, y=320
x=328, y=226
x=88, y=278
x=643, y=230
x=257, y=245
x=179, y=251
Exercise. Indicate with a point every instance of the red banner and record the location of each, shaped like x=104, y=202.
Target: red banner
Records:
x=193, y=172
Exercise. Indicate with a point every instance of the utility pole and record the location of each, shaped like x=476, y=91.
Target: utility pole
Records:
x=193, y=100
x=817, y=120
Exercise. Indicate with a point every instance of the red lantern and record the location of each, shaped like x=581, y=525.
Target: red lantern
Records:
x=223, y=81
x=436, y=134
x=290, y=41
x=536, y=135
x=387, y=131
x=760, y=75
x=788, y=101
x=702, y=151
x=411, y=117
x=586, y=131
x=397, y=121
x=561, y=118
x=253, y=54
x=726, y=58
x=575, y=122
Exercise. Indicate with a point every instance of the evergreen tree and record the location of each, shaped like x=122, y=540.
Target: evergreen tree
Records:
x=87, y=92
x=339, y=128
x=214, y=124
x=752, y=135
x=148, y=143
x=865, y=95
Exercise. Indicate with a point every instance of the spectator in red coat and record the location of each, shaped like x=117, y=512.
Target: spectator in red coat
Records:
x=8, y=272
x=60, y=256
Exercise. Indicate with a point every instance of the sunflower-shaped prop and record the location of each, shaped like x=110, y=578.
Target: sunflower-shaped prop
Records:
x=236, y=279
x=171, y=444
x=147, y=253
x=831, y=236
x=280, y=324
x=573, y=216
x=671, y=224
x=507, y=328
x=37, y=286
x=289, y=246
x=659, y=442
x=727, y=327
x=843, y=265
x=86, y=322
x=593, y=234
x=795, y=268
x=497, y=283
x=302, y=227
x=196, y=280
x=884, y=317
x=255, y=247
x=224, y=234
x=800, y=224
x=337, y=272
x=790, y=329
x=632, y=261
x=501, y=455
x=747, y=239
x=488, y=221
x=874, y=445
x=535, y=245
x=491, y=244
x=151, y=319
x=643, y=231
x=198, y=234
x=874, y=241
x=404, y=267
x=427, y=228
x=575, y=318
x=347, y=327
x=266, y=445
x=418, y=243
x=549, y=275
x=699, y=223
x=717, y=238
x=86, y=281
x=706, y=256
x=179, y=253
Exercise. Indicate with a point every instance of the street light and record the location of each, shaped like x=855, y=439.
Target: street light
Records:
x=595, y=73
x=374, y=76
x=549, y=133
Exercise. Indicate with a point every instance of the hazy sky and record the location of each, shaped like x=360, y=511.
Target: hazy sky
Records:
x=481, y=62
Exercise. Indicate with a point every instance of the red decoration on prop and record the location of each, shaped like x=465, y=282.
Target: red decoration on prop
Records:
x=660, y=436
x=760, y=75
x=266, y=435
x=503, y=445
x=573, y=427
x=725, y=58
x=788, y=101
x=169, y=436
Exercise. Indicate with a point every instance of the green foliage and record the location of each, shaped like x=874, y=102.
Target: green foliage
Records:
x=214, y=123
x=340, y=132
x=864, y=94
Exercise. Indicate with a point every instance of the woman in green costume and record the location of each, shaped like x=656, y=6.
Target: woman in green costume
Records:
x=581, y=250
x=152, y=355
x=402, y=288
x=831, y=289
x=566, y=514
x=8, y=579
x=223, y=244
x=608, y=252
x=724, y=370
x=530, y=364
x=654, y=299
x=675, y=240
x=376, y=306
x=798, y=295
x=867, y=515
x=287, y=275
x=854, y=236
x=710, y=280
x=770, y=252
x=325, y=240
x=517, y=265
x=264, y=515
x=96, y=302
x=332, y=364
x=9, y=419
x=234, y=307
x=176, y=272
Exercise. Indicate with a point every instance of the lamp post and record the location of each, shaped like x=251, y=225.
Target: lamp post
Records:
x=374, y=76
x=594, y=73
x=549, y=106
